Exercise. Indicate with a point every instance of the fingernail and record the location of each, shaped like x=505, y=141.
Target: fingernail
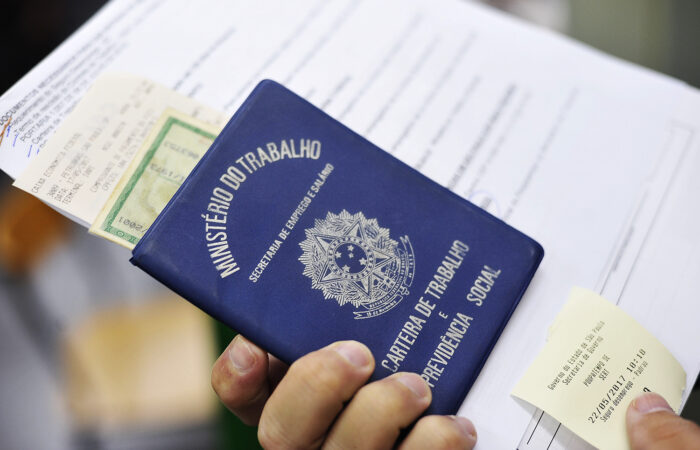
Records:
x=651, y=402
x=356, y=353
x=241, y=354
x=416, y=384
x=466, y=426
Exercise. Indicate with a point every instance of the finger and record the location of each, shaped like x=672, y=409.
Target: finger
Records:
x=380, y=410
x=239, y=378
x=651, y=423
x=312, y=393
x=441, y=432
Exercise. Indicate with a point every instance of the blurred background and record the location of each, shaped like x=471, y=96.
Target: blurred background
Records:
x=95, y=354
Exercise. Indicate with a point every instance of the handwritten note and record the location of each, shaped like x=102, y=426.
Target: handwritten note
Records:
x=596, y=361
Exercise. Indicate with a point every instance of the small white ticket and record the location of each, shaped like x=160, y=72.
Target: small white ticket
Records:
x=596, y=361
x=81, y=164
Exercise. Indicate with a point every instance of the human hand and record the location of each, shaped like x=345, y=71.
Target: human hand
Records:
x=322, y=400
x=652, y=424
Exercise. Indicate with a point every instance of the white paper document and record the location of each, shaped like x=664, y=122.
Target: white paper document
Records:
x=591, y=156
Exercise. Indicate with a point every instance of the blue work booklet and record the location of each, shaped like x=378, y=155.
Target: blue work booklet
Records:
x=297, y=232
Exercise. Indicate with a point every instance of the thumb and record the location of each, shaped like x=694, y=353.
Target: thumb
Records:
x=652, y=424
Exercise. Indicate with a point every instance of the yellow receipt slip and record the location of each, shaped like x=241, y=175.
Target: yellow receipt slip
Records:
x=596, y=361
x=80, y=165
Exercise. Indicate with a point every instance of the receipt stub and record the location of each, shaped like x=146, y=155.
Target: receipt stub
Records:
x=597, y=359
x=79, y=167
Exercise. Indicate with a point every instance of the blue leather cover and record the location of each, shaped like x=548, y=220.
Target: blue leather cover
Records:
x=297, y=232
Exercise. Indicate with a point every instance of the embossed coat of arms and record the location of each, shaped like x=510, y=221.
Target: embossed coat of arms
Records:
x=353, y=260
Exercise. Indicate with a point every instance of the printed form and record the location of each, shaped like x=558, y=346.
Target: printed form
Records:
x=591, y=156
